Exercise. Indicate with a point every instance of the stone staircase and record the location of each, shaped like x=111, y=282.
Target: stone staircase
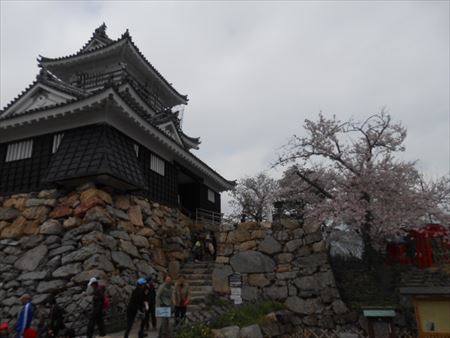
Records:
x=199, y=277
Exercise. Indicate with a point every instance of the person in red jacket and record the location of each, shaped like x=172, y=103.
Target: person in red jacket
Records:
x=96, y=317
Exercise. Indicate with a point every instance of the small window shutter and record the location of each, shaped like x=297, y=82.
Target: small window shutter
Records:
x=157, y=164
x=19, y=151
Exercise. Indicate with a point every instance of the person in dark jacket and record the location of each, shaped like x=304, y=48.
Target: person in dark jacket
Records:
x=96, y=317
x=55, y=318
x=25, y=316
x=136, y=304
x=150, y=298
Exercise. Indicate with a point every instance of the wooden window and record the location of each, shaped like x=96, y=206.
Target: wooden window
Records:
x=57, y=138
x=211, y=196
x=19, y=151
x=157, y=164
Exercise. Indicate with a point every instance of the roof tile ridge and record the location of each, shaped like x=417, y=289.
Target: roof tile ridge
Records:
x=56, y=105
x=47, y=77
x=127, y=36
x=21, y=94
x=42, y=58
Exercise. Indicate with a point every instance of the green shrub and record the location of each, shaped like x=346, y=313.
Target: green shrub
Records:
x=247, y=314
x=199, y=330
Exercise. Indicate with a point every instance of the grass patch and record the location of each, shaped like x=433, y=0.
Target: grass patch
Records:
x=247, y=314
x=199, y=330
x=241, y=316
x=214, y=300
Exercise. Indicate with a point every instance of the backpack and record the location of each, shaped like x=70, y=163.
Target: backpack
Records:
x=106, y=302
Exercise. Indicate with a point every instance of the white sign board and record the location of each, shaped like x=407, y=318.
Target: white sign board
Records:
x=163, y=312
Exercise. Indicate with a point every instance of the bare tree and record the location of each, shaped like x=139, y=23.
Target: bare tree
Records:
x=253, y=197
x=346, y=173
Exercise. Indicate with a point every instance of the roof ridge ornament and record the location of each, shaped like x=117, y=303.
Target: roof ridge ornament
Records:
x=126, y=34
x=101, y=31
x=43, y=74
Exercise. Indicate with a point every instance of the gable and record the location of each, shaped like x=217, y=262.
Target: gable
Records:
x=170, y=130
x=37, y=97
x=94, y=44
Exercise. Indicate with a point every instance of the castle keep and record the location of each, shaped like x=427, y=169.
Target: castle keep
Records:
x=104, y=115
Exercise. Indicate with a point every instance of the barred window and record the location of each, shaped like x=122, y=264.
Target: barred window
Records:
x=211, y=196
x=157, y=164
x=57, y=138
x=19, y=151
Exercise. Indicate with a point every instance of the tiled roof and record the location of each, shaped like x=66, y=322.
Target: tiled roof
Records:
x=125, y=36
x=435, y=280
x=92, y=151
x=100, y=35
x=138, y=110
x=46, y=78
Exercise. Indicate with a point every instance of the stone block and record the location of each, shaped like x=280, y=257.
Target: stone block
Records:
x=98, y=214
x=269, y=245
x=61, y=211
x=31, y=259
x=36, y=213
x=220, y=279
x=249, y=293
x=258, y=279
x=93, y=192
x=251, y=331
x=293, y=245
x=135, y=214
x=51, y=227
x=252, y=262
x=122, y=260
x=284, y=258
x=247, y=245
x=122, y=202
x=226, y=332
x=276, y=292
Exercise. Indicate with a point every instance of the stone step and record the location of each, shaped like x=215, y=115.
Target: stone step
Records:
x=188, y=271
x=191, y=265
x=200, y=283
x=197, y=300
x=198, y=276
x=202, y=288
x=199, y=295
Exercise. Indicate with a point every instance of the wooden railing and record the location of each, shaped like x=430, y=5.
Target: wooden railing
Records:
x=98, y=80
x=360, y=333
x=208, y=217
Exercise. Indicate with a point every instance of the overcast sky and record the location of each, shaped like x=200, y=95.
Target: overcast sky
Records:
x=254, y=71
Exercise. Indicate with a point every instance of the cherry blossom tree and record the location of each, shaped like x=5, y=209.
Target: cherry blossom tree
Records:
x=346, y=173
x=253, y=197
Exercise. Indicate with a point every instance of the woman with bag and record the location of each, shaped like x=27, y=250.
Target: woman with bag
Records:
x=181, y=298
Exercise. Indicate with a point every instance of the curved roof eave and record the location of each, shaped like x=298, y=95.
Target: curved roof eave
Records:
x=124, y=41
x=111, y=93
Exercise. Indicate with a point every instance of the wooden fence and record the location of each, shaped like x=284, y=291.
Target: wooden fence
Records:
x=324, y=333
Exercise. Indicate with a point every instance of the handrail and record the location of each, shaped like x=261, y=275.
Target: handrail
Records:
x=89, y=81
x=208, y=217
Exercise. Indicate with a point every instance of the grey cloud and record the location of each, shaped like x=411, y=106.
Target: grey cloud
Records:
x=255, y=70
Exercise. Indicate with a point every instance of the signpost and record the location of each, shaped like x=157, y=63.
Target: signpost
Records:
x=235, y=281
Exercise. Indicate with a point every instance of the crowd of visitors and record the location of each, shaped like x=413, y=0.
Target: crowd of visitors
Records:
x=145, y=303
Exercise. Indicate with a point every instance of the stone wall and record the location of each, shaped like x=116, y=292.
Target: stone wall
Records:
x=55, y=241
x=284, y=262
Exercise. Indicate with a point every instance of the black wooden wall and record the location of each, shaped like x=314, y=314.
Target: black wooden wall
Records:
x=25, y=175
x=30, y=174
